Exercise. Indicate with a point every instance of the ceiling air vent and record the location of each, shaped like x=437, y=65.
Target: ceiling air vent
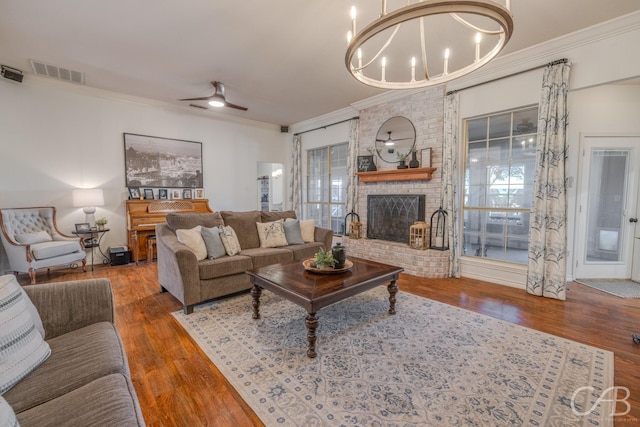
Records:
x=43, y=69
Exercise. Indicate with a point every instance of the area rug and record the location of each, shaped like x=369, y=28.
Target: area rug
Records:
x=619, y=288
x=431, y=364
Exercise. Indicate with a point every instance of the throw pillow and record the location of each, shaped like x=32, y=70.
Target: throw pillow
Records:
x=33, y=238
x=22, y=348
x=193, y=239
x=213, y=242
x=293, y=232
x=229, y=240
x=271, y=234
x=32, y=308
x=308, y=229
x=7, y=416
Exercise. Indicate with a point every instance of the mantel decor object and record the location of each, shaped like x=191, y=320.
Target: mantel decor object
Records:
x=419, y=235
x=439, y=235
x=355, y=226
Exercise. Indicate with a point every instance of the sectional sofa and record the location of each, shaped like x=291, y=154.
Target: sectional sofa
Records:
x=193, y=280
x=62, y=360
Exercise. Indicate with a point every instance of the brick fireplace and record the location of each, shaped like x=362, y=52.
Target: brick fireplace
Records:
x=425, y=110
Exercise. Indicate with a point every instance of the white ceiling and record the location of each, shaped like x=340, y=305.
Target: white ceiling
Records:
x=283, y=59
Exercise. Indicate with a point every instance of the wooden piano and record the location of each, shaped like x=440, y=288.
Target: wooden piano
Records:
x=143, y=215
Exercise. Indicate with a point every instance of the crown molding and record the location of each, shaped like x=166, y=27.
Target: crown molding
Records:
x=325, y=120
x=40, y=81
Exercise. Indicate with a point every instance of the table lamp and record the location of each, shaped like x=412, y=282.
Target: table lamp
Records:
x=88, y=199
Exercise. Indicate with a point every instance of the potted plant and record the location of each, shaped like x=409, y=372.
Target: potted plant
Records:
x=101, y=222
x=323, y=260
x=401, y=159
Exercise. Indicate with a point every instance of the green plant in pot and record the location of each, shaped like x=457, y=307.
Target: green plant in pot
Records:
x=323, y=260
x=101, y=222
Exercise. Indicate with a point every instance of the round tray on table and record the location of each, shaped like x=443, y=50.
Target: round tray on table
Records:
x=307, y=266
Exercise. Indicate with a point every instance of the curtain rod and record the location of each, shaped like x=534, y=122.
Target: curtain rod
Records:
x=556, y=62
x=326, y=126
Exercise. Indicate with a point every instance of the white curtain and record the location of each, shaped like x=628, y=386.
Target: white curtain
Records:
x=352, y=184
x=449, y=179
x=295, y=184
x=546, y=275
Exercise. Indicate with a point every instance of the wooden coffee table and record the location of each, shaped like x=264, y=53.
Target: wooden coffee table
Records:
x=313, y=291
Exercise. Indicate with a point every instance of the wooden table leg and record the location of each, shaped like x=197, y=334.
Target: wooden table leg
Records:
x=312, y=324
x=393, y=290
x=256, y=291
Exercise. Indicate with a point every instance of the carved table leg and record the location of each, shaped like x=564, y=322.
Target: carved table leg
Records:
x=312, y=324
x=256, y=291
x=393, y=290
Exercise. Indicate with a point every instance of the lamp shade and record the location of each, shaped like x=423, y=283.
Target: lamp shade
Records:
x=85, y=197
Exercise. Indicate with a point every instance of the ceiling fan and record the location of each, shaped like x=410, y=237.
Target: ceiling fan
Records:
x=391, y=141
x=217, y=99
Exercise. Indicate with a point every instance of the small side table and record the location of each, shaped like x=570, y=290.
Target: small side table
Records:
x=93, y=235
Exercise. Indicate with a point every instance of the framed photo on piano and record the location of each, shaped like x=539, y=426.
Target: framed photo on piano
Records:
x=134, y=193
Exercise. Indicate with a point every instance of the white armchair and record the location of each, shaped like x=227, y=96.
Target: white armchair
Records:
x=31, y=240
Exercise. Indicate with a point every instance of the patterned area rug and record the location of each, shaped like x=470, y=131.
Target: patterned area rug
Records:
x=429, y=365
x=619, y=288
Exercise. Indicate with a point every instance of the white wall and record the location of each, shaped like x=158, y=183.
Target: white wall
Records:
x=56, y=137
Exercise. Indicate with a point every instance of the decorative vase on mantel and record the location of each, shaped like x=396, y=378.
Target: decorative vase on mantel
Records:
x=401, y=164
x=414, y=163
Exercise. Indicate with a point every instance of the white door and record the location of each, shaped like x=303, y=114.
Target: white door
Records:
x=608, y=208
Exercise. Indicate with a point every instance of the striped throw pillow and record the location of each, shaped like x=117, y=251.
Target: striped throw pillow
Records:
x=7, y=416
x=22, y=347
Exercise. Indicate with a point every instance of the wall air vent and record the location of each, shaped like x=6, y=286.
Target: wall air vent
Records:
x=43, y=69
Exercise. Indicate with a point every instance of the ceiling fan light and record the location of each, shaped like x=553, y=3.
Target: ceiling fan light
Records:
x=216, y=101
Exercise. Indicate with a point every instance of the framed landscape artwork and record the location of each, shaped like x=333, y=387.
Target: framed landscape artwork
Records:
x=151, y=161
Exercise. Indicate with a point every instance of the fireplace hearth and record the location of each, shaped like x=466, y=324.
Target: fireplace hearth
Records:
x=389, y=216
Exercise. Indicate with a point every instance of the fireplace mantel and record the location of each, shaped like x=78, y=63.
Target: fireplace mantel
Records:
x=409, y=174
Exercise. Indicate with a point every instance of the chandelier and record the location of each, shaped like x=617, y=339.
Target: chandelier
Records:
x=412, y=46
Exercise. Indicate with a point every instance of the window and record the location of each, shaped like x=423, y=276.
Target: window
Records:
x=499, y=173
x=327, y=186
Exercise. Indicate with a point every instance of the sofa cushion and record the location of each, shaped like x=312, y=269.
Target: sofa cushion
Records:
x=308, y=230
x=22, y=346
x=192, y=238
x=262, y=257
x=244, y=223
x=55, y=248
x=182, y=220
x=213, y=242
x=274, y=216
x=7, y=416
x=31, y=238
x=305, y=251
x=107, y=401
x=293, y=232
x=225, y=266
x=271, y=234
x=77, y=358
x=229, y=240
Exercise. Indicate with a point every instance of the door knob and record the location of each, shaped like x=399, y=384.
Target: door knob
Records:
x=633, y=219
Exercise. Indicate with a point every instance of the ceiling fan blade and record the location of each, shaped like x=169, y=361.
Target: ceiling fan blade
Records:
x=204, y=98
x=237, y=107
x=400, y=139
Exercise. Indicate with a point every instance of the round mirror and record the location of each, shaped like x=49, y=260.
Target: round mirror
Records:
x=395, y=139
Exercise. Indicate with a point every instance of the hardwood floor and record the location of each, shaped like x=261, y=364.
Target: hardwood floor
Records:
x=178, y=386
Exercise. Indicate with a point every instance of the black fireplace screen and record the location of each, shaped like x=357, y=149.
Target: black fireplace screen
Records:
x=389, y=216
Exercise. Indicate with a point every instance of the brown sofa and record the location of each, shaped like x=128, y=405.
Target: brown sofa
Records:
x=85, y=381
x=193, y=282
